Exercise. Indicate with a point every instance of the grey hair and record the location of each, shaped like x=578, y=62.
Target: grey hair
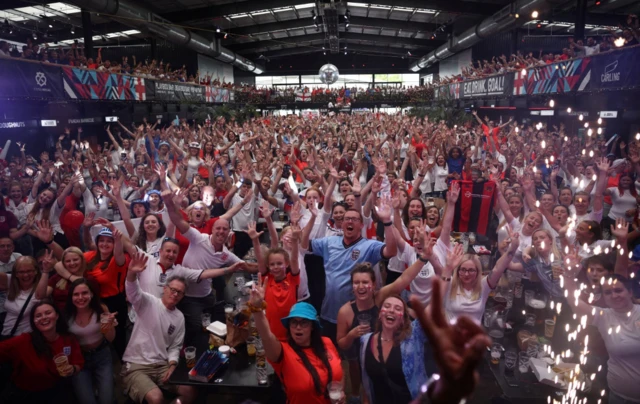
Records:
x=181, y=279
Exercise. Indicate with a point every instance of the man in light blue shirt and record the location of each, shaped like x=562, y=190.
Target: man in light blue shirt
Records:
x=342, y=253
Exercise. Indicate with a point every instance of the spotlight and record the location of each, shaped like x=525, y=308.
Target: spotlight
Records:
x=50, y=26
x=218, y=30
x=552, y=103
x=347, y=24
x=599, y=121
x=324, y=53
x=345, y=52
x=569, y=110
x=599, y=131
x=517, y=15
x=313, y=14
x=534, y=14
x=73, y=31
x=586, y=124
x=580, y=117
x=619, y=42
x=35, y=36
x=323, y=48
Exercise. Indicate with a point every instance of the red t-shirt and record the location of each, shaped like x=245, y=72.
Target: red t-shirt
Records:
x=37, y=373
x=280, y=297
x=110, y=280
x=419, y=147
x=297, y=380
x=60, y=291
x=8, y=221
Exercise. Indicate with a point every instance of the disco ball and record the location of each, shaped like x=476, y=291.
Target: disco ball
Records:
x=328, y=74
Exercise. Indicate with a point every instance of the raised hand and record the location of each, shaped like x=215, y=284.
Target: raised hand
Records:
x=257, y=293
x=45, y=232
x=457, y=348
x=252, y=232
x=48, y=262
x=138, y=262
x=266, y=210
x=454, y=193
x=620, y=230
x=296, y=212
x=89, y=219
x=295, y=232
x=384, y=209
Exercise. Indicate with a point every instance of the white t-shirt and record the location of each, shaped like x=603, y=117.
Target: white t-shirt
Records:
x=440, y=175
x=13, y=309
x=461, y=303
x=157, y=333
x=621, y=204
x=152, y=279
x=421, y=284
x=202, y=255
x=246, y=214
x=19, y=211
x=624, y=350
x=54, y=214
x=595, y=216
x=153, y=247
x=193, y=164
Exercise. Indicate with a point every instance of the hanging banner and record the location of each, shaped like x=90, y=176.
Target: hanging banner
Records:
x=167, y=91
x=23, y=79
x=501, y=85
x=556, y=78
x=95, y=85
x=616, y=70
x=215, y=94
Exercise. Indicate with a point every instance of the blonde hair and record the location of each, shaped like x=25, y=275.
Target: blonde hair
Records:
x=14, y=285
x=207, y=212
x=62, y=283
x=456, y=284
x=520, y=217
x=557, y=254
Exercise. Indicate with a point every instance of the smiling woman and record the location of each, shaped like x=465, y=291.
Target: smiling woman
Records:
x=42, y=359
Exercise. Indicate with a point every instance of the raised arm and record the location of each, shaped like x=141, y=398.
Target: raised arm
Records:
x=384, y=214
x=295, y=247
x=620, y=230
x=601, y=185
x=174, y=214
x=447, y=221
x=503, y=262
x=254, y=235
x=272, y=347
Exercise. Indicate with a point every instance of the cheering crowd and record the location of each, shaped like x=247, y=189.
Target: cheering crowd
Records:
x=148, y=228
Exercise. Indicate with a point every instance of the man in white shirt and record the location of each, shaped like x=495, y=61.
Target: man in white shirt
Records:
x=240, y=222
x=154, y=348
x=205, y=251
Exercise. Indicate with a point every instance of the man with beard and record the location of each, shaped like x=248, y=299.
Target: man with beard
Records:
x=341, y=253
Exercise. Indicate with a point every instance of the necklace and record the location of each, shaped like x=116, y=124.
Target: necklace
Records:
x=386, y=339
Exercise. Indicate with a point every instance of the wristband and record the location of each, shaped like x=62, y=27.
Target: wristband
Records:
x=387, y=224
x=357, y=195
x=446, y=279
x=420, y=175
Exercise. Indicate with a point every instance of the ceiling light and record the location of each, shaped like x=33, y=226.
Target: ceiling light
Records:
x=50, y=26
x=345, y=52
x=580, y=117
x=569, y=110
x=552, y=103
x=517, y=15
x=73, y=31
x=313, y=14
x=35, y=36
x=325, y=53
x=599, y=121
x=534, y=14
x=347, y=24
x=218, y=30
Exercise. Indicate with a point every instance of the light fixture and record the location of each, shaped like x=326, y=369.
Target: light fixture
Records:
x=569, y=110
x=599, y=131
x=409, y=53
x=218, y=30
x=345, y=52
x=517, y=15
x=586, y=124
x=580, y=117
x=50, y=26
x=323, y=48
x=35, y=36
x=313, y=14
x=599, y=121
x=534, y=14
x=619, y=42
x=73, y=31
x=325, y=53
x=552, y=103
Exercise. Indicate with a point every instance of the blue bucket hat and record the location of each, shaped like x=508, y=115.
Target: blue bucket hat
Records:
x=106, y=232
x=154, y=191
x=302, y=310
x=163, y=143
x=139, y=202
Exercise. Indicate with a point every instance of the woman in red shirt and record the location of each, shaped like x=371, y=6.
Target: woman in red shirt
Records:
x=35, y=378
x=307, y=362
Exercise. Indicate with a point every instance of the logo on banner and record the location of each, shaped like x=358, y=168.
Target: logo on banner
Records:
x=41, y=79
x=470, y=195
x=610, y=74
